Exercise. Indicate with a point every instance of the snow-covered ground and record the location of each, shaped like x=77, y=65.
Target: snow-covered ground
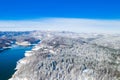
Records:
x=71, y=56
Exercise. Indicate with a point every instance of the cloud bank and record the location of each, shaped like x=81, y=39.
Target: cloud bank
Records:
x=63, y=24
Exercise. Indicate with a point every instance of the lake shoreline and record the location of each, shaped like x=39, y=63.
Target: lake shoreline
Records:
x=10, y=56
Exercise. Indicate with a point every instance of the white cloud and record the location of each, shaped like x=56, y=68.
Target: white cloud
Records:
x=63, y=24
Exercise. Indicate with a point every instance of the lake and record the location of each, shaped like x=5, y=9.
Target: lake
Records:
x=8, y=60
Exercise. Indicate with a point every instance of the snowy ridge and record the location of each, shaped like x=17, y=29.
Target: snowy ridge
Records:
x=62, y=57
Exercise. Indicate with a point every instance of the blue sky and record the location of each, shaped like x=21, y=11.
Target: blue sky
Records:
x=29, y=9
x=68, y=15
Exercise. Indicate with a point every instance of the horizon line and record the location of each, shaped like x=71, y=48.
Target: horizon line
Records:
x=62, y=24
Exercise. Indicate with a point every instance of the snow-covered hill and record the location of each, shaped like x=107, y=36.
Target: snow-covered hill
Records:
x=71, y=56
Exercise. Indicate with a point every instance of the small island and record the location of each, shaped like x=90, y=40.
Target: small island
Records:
x=24, y=43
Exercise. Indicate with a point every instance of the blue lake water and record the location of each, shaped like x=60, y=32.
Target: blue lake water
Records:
x=8, y=60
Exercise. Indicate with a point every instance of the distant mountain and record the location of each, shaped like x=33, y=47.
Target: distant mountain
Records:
x=9, y=38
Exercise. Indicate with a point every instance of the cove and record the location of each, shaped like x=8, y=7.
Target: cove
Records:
x=8, y=60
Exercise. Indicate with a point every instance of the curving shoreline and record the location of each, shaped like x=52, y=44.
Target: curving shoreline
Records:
x=3, y=49
x=8, y=59
x=23, y=60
